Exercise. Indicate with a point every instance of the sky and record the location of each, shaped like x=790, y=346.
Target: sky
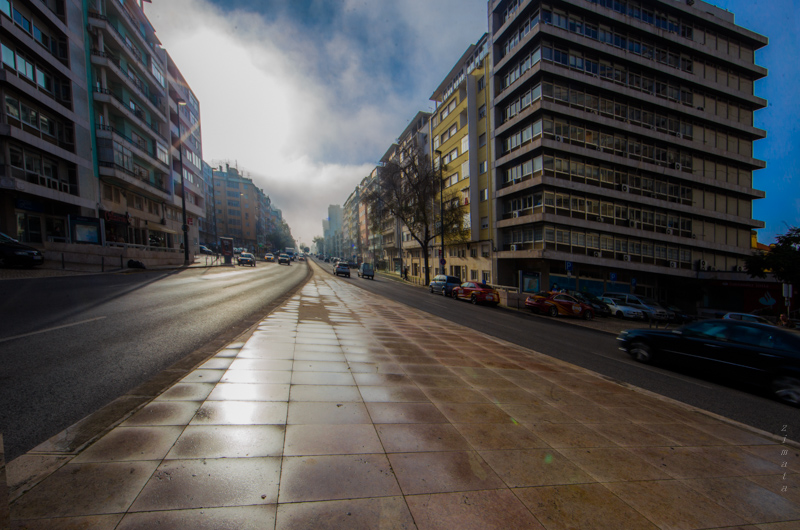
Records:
x=305, y=96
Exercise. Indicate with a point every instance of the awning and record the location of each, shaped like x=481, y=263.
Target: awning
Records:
x=155, y=227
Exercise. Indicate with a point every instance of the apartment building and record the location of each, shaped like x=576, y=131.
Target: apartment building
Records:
x=208, y=222
x=47, y=174
x=237, y=201
x=622, y=142
x=351, y=244
x=459, y=141
x=188, y=188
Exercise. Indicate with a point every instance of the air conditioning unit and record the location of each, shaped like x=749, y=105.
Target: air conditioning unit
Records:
x=701, y=108
x=592, y=111
x=694, y=236
x=679, y=135
x=625, y=188
x=633, y=224
x=559, y=138
x=515, y=214
x=739, y=268
x=673, y=264
x=513, y=247
x=677, y=166
x=596, y=147
x=626, y=257
x=597, y=254
x=703, y=265
x=600, y=219
x=669, y=231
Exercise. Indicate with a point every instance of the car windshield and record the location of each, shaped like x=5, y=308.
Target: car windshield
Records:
x=6, y=239
x=649, y=301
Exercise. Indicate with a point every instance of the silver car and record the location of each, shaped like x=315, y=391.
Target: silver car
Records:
x=619, y=309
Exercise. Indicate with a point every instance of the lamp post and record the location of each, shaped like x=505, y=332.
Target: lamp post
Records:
x=182, y=103
x=441, y=210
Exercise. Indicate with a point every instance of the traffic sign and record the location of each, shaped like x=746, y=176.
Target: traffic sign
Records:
x=633, y=282
x=568, y=265
x=612, y=276
x=442, y=262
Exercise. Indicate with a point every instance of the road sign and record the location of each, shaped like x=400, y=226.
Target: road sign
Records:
x=612, y=276
x=633, y=282
x=568, y=265
x=440, y=253
x=442, y=262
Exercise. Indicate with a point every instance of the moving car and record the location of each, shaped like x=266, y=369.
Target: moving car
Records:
x=269, y=257
x=554, y=304
x=477, y=293
x=759, y=354
x=284, y=258
x=620, y=310
x=746, y=317
x=205, y=250
x=444, y=284
x=15, y=254
x=341, y=269
x=245, y=258
x=598, y=306
x=366, y=271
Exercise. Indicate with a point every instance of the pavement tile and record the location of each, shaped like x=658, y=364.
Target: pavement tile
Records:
x=187, y=392
x=249, y=392
x=324, y=393
x=685, y=509
x=228, y=441
x=439, y=381
x=421, y=437
x=534, y=467
x=684, y=462
x=405, y=413
x=233, y=518
x=218, y=363
x=272, y=377
x=472, y=510
x=303, y=413
x=95, y=522
x=241, y=413
x=203, y=376
x=474, y=413
x=320, y=366
x=747, y=499
x=498, y=436
x=533, y=414
x=570, y=435
x=630, y=434
x=316, y=478
x=455, y=395
x=385, y=513
x=683, y=434
x=376, y=379
x=613, y=464
x=209, y=483
x=262, y=364
x=373, y=366
x=734, y=435
x=393, y=394
x=131, y=443
x=443, y=472
x=307, y=440
x=322, y=378
x=515, y=395
x=777, y=454
x=164, y=413
x=589, y=413
x=85, y=489
x=787, y=486
x=579, y=506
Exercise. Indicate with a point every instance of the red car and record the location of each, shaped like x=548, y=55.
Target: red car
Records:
x=554, y=304
x=476, y=293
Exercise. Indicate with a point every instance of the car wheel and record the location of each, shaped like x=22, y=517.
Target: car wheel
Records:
x=787, y=389
x=553, y=311
x=641, y=352
x=431, y=290
x=473, y=299
x=588, y=315
x=444, y=291
x=619, y=314
x=454, y=294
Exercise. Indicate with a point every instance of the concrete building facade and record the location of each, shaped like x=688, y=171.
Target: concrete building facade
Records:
x=622, y=140
x=237, y=201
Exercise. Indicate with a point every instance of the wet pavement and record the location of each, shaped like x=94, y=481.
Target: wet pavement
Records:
x=347, y=410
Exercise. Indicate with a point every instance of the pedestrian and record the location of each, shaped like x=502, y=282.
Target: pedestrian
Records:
x=784, y=322
x=405, y=273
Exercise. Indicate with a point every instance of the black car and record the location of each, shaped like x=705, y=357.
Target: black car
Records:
x=15, y=254
x=766, y=356
x=284, y=258
x=599, y=307
x=444, y=284
x=245, y=258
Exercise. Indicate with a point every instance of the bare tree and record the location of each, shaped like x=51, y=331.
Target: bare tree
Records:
x=408, y=188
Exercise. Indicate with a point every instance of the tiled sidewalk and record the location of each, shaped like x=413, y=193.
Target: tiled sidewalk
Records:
x=345, y=410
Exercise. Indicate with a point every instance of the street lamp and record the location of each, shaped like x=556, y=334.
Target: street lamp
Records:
x=182, y=103
x=441, y=209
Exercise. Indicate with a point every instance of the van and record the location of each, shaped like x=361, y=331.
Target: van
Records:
x=651, y=309
x=444, y=284
x=366, y=271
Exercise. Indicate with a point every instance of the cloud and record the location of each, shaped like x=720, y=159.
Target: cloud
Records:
x=305, y=103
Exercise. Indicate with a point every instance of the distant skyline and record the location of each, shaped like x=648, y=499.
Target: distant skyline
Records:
x=307, y=95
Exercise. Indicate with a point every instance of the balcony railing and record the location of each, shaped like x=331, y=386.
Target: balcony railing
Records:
x=140, y=87
x=146, y=179
x=138, y=113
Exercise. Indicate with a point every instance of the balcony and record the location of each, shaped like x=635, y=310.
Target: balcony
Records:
x=152, y=187
x=142, y=150
x=112, y=63
x=104, y=95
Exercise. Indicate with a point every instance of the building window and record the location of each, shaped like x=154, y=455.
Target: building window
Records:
x=484, y=167
x=482, y=140
x=484, y=223
x=482, y=112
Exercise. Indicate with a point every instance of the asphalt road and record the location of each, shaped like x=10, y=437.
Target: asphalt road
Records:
x=70, y=345
x=596, y=351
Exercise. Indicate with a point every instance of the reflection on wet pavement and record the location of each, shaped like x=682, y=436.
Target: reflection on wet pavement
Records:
x=347, y=410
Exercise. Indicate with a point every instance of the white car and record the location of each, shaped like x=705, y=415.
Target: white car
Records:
x=618, y=309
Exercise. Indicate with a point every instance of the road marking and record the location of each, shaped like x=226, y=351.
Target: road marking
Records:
x=640, y=365
x=50, y=329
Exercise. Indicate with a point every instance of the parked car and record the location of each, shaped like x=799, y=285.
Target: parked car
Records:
x=747, y=317
x=284, y=258
x=341, y=269
x=620, y=310
x=245, y=258
x=444, y=284
x=678, y=315
x=366, y=271
x=554, y=304
x=651, y=309
x=598, y=306
x=475, y=292
x=759, y=354
x=205, y=250
x=269, y=257
x=15, y=254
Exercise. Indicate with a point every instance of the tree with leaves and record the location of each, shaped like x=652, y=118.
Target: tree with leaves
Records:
x=408, y=189
x=782, y=259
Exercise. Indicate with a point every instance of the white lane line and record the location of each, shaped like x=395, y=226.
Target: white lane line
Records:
x=50, y=329
x=639, y=365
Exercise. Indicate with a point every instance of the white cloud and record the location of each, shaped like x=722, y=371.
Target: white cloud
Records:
x=308, y=113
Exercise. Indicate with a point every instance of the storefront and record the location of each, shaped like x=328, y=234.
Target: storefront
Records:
x=116, y=226
x=160, y=236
